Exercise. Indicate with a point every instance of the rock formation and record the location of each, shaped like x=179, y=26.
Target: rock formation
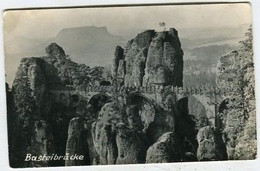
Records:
x=118, y=56
x=114, y=141
x=164, y=60
x=75, y=142
x=211, y=146
x=225, y=65
x=104, y=134
x=166, y=149
x=104, y=143
x=144, y=120
x=131, y=146
x=42, y=142
x=33, y=102
x=56, y=51
x=151, y=58
x=139, y=119
x=236, y=71
x=247, y=142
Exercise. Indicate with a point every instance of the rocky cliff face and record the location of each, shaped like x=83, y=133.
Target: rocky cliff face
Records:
x=126, y=129
x=151, y=58
x=75, y=142
x=37, y=117
x=166, y=149
x=115, y=140
x=42, y=142
x=149, y=129
x=165, y=60
x=236, y=71
x=211, y=146
x=128, y=126
x=118, y=68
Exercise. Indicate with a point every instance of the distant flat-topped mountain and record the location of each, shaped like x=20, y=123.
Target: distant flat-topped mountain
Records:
x=90, y=45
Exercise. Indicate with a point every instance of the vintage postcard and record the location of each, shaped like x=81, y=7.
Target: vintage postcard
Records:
x=130, y=84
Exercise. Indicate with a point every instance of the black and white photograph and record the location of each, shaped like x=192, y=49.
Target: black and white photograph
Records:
x=130, y=84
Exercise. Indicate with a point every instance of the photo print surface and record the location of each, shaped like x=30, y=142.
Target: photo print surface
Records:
x=130, y=84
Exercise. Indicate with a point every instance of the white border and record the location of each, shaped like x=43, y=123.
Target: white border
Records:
x=228, y=165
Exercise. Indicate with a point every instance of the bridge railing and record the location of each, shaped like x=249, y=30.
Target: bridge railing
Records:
x=160, y=88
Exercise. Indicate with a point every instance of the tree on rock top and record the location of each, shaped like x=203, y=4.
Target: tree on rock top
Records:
x=56, y=51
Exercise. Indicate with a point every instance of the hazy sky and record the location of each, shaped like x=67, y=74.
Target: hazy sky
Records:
x=124, y=21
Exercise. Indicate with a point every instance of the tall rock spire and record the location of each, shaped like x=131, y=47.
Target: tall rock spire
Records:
x=151, y=58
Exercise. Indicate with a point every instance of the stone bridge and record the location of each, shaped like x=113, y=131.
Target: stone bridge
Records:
x=211, y=98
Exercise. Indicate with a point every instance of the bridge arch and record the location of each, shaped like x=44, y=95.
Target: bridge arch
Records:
x=145, y=106
x=143, y=111
x=97, y=101
x=194, y=109
x=135, y=97
x=191, y=115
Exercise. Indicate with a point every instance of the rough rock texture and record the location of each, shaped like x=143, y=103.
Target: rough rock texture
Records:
x=247, y=143
x=104, y=143
x=211, y=146
x=164, y=60
x=231, y=122
x=75, y=142
x=149, y=117
x=131, y=146
x=42, y=143
x=122, y=135
x=117, y=138
x=24, y=112
x=141, y=109
x=37, y=84
x=151, y=58
x=166, y=149
x=92, y=155
x=138, y=67
x=31, y=73
x=95, y=104
x=121, y=71
x=34, y=100
x=163, y=122
x=56, y=51
x=134, y=126
x=135, y=57
x=133, y=117
x=198, y=112
x=225, y=65
x=104, y=135
x=247, y=140
x=119, y=55
x=236, y=71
